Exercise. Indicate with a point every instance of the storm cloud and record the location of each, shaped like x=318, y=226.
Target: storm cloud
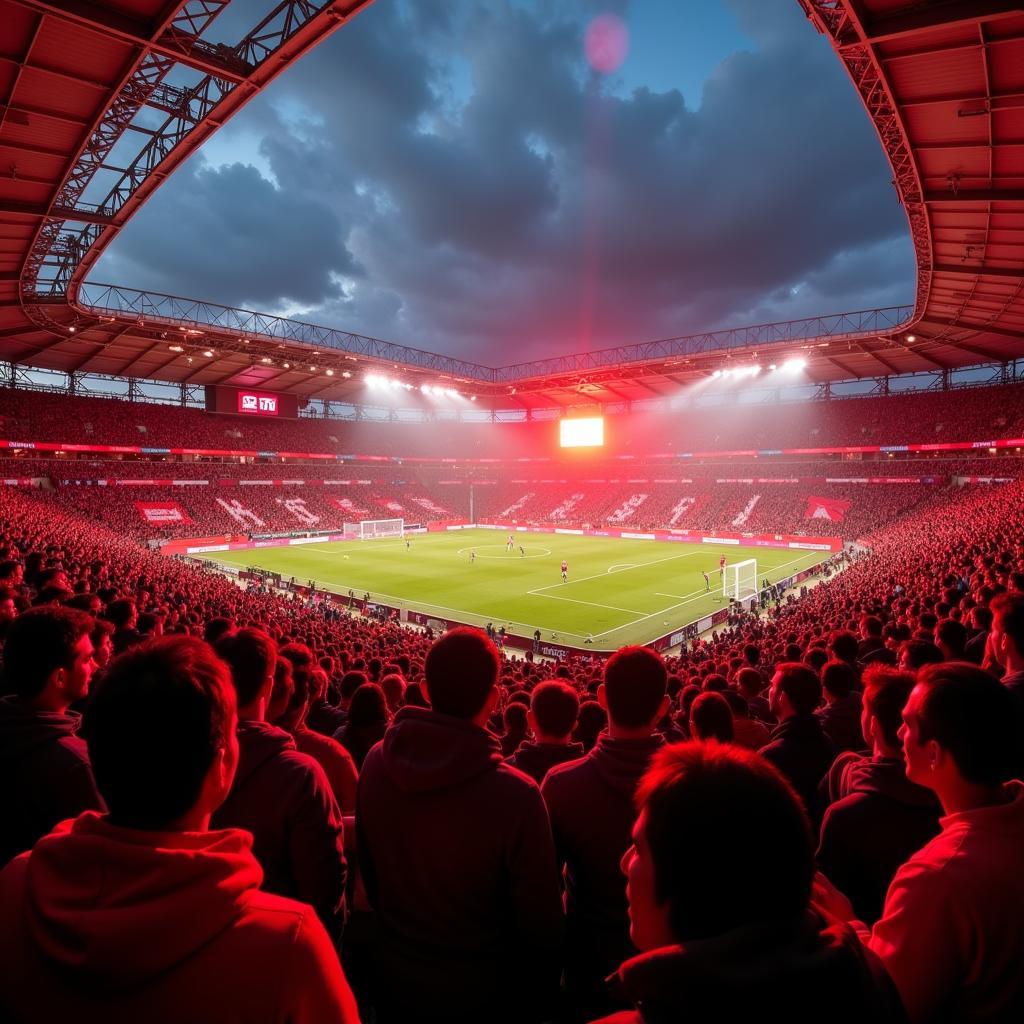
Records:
x=453, y=176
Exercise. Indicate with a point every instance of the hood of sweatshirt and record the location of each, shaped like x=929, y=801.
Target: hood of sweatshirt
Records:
x=116, y=907
x=794, y=967
x=258, y=742
x=22, y=728
x=424, y=751
x=886, y=776
x=620, y=763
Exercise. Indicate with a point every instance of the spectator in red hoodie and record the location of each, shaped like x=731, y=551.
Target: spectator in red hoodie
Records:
x=591, y=807
x=952, y=932
x=45, y=774
x=281, y=795
x=877, y=817
x=456, y=853
x=144, y=914
x=715, y=950
x=554, y=708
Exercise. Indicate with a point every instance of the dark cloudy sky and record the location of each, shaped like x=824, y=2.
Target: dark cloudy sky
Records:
x=453, y=175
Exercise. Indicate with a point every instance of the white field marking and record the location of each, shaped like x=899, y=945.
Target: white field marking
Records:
x=638, y=565
x=592, y=604
x=544, y=553
x=693, y=597
x=619, y=568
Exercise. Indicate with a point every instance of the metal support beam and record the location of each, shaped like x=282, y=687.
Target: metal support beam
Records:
x=963, y=270
x=979, y=195
x=916, y=19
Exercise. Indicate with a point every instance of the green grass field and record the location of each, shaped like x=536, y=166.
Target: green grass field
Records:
x=620, y=591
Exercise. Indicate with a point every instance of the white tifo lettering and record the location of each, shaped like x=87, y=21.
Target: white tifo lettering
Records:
x=241, y=515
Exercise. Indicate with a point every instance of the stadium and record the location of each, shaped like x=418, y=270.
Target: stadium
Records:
x=783, y=535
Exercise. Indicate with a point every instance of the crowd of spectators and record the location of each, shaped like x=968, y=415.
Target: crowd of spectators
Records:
x=227, y=805
x=978, y=414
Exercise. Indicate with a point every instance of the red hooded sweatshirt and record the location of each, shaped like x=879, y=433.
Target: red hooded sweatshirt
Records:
x=100, y=923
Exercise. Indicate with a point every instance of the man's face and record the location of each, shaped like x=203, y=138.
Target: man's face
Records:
x=648, y=920
x=999, y=640
x=104, y=651
x=7, y=609
x=775, y=696
x=917, y=755
x=80, y=670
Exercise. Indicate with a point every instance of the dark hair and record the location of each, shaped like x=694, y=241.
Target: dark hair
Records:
x=801, y=685
x=953, y=634
x=634, y=686
x=461, y=669
x=920, y=653
x=393, y=685
x=844, y=645
x=749, y=681
x=872, y=625
x=838, y=678
x=555, y=706
x=709, y=806
x=39, y=642
x=120, y=612
x=216, y=628
x=974, y=717
x=711, y=718
x=155, y=723
x=715, y=682
x=350, y=682
x=298, y=654
x=886, y=692
x=1009, y=607
x=592, y=719
x=252, y=656
x=369, y=707
x=514, y=717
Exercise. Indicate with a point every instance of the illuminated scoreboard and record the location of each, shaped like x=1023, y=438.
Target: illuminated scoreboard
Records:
x=582, y=433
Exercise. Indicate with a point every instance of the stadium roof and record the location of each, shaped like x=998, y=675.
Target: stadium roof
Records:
x=104, y=99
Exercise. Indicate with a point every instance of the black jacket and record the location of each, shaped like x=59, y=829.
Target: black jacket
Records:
x=456, y=854
x=803, y=753
x=537, y=758
x=45, y=774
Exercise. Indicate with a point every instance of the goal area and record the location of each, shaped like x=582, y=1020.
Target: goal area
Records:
x=375, y=529
x=740, y=581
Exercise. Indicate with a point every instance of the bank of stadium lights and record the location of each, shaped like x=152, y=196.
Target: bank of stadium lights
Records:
x=432, y=391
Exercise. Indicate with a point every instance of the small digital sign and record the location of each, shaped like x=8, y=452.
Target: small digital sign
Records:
x=582, y=433
x=257, y=404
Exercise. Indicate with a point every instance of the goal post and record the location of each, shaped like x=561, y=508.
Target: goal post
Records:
x=375, y=529
x=740, y=581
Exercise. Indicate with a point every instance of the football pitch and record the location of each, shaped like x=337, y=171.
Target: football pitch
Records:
x=618, y=592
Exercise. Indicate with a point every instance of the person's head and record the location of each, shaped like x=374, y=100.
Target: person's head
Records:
x=282, y=691
x=122, y=613
x=214, y=629
x=870, y=627
x=12, y=573
x=461, y=672
x=1008, y=630
x=554, y=708
x=161, y=735
x=591, y=722
x=48, y=656
x=915, y=654
x=960, y=728
x=838, y=679
x=252, y=657
x=393, y=685
x=749, y=682
x=795, y=690
x=102, y=645
x=711, y=718
x=369, y=707
x=951, y=639
x=704, y=807
x=350, y=682
x=515, y=718
x=633, y=691
x=8, y=605
x=844, y=645
x=886, y=691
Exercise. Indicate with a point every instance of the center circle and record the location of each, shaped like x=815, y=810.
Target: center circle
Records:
x=503, y=552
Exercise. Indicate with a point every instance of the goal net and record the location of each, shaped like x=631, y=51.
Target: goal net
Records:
x=741, y=580
x=375, y=529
